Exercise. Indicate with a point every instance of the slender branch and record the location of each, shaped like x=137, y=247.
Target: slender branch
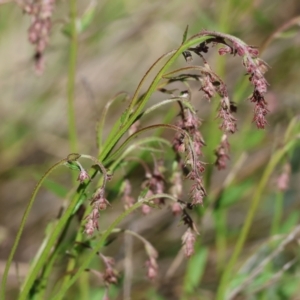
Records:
x=72, y=76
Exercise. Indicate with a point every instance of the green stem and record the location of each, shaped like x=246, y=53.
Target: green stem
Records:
x=72, y=76
x=22, y=225
x=250, y=216
x=50, y=243
x=101, y=122
x=48, y=268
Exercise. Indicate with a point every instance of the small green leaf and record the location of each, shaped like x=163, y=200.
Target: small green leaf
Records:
x=195, y=270
x=66, y=30
x=185, y=34
x=72, y=166
x=87, y=18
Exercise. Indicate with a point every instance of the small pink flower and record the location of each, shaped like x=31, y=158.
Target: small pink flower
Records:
x=176, y=209
x=99, y=201
x=253, y=51
x=188, y=241
x=197, y=193
x=240, y=49
x=152, y=268
x=207, y=87
x=225, y=50
x=83, y=175
x=222, y=153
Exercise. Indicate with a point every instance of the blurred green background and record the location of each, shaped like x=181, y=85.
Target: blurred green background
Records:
x=123, y=39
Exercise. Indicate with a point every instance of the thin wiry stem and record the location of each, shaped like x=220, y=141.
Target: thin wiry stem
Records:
x=72, y=76
x=22, y=225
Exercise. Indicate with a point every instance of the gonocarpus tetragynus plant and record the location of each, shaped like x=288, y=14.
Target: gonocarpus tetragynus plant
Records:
x=125, y=142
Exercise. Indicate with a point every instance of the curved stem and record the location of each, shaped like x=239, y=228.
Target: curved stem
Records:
x=50, y=243
x=250, y=216
x=100, y=125
x=22, y=225
x=120, y=150
x=72, y=76
x=134, y=146
x=183, y=100
x=136, y=94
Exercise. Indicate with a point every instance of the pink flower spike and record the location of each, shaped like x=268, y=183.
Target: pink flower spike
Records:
x=253, y=51
x=83, y=175
x=225, y=50
x=188, y=241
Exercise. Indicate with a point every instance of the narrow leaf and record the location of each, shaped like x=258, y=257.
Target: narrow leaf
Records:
x=185, y=34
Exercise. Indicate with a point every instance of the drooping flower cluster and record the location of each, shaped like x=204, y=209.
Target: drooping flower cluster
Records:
x=109, y=276
x=255, y=69
x=155, y=183
x=151, y=263
x=176, y=190
x=188, y=241
x=98, y=202
x=189, y=237
x=39, y=31
x=222, y=153
x=126, y=198
x=191, y=144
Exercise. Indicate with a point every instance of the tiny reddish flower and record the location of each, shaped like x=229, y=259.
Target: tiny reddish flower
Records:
x=207, y=87
x=152, y=268
x=99, y=201
x=197, y=193
x=83, y=175
x=110, y=275
x=225, y=50
x=253, y=51
x=222, y=153
x=188, y=241
x=92, y=222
